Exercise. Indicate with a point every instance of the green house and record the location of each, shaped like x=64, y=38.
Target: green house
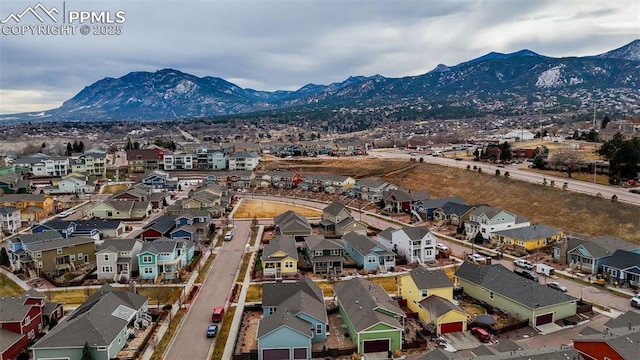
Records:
x=374, y=320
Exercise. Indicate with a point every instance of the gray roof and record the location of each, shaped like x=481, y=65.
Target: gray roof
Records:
x=505, y=282
x=8, y=338
x=117, y=245
x=429, y=279
x=320, y=243
x=613, y=243
x=59, y=243
x=630, y=317
x=284, y=243
x=595, y=250
x=490, y=353
x=456, y=208
x=371, y=183
x=439, y=306
x=161, y=245
x=22, y=197
x=162, y=224
x=50, y=307
x=399, y=195
x=362, y=244
x=275, y=293
x=386, y=233
x=97, y=224
x=509, y=345
x=415, y=233
x=529, y=232
x=367, y=303
x=94, y=321
x=190, y=214
x=335, y=208
x=623, y=341
x=290, y=221
x=436, y=203
x=8, y=210
x=487, y=210
x=622, y=259
x=13, y=309
x=283, y=317
x=120, y=205
x=589, y=331
x=243, y=154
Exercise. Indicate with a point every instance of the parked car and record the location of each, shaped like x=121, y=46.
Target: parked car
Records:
x=635, y=301
x=525, y=264
x=212, y=330
x=482, y=334
x=556, y=285
x=477, y=258
x=527, y=274
x=635, y=191
x=228, y=236
x=218, y=314
x=441, y=247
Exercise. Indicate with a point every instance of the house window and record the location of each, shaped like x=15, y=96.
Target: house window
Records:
x=317, y=253
x=335, y=252
x=107, y=269
x=146, y=259
x=148, y=270
x=80, y=255
x=165, y=254
x=27, y=321
x=59, y=251
x=72, y=257
x=491, y=294
x=371, y=259
x=102, y=348
x=428, y=252
x=106, y=258
x=39, y=254
x=318, y=328
x=425, y=293
x=288, y=264
x=31, y=334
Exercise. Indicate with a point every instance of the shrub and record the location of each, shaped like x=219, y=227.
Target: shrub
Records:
x=167, y=307
x=615, y=180
x=506, y=174
x=497, y=172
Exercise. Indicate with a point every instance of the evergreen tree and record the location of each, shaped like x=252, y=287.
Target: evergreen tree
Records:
x=81, y=146
x=605, y=121
x=75, y=146
x=86, y=352
x=4, y=257
x=69, y=149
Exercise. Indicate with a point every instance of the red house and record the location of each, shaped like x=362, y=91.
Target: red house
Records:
x=160, y=227
x=20, y=322
x=616, y=344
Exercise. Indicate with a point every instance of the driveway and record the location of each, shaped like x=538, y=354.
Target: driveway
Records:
x=191, y=342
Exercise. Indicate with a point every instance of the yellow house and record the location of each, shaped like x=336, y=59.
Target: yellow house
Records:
x=527, y=238
x=280, y=258
x=430, y=294
x=33, y=207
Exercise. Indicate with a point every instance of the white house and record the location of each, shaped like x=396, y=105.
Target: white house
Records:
x=487, y=220
x=519, y=135
x=243, y=160
x=417, y=244
x=76, y=184
x=10, y=219
x=116, y=259
x=178, y=161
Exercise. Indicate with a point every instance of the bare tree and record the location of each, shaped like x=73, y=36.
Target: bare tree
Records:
x=569, y=160
x=161, y=294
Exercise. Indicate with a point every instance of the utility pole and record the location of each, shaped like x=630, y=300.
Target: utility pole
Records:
x=594, y=117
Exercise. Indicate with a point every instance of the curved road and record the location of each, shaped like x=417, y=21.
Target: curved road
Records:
x=191, y=342
x=516, y=173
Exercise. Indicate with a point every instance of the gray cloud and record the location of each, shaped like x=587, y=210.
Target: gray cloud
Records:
x=285, y=44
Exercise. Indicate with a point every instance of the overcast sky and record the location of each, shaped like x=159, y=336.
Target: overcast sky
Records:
x=269, y=45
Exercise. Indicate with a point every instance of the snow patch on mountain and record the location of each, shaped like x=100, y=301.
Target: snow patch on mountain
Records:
x=551, y=78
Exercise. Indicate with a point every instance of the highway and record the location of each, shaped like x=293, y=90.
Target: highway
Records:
x=516, y=173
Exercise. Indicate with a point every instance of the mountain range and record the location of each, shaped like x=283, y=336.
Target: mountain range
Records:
x=518, y=81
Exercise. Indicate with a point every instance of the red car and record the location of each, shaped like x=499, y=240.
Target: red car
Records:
x=218, y=314
x=482, y=334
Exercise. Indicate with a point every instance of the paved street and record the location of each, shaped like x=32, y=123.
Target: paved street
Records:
x=191, y=341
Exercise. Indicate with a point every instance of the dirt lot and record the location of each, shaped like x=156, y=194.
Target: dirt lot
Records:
x=251, y=208
x=543, y=205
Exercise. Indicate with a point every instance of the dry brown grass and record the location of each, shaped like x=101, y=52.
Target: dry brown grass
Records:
x=357, y=167
x=8, y=288
x=112, y=189
x=251, y=208
x=565, y=210
x=600, y=179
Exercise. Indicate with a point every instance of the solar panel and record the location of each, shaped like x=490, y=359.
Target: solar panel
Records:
x=123, y=313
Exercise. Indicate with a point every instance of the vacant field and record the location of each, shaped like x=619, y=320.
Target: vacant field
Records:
x=251, y=208
x=111, y=189
x=543, y=205
x=358, y=167
x=8, y=288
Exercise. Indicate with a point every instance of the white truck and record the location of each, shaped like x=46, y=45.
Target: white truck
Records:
x=525, y=264
x=545, y=270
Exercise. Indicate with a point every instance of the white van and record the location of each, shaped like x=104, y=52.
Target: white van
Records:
x=546, y=270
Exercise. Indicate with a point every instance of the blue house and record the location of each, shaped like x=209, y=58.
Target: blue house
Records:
x=70, y=228
x=193, y=217
x=185, y=232
x=294, y=317
x=369, y=254
x=624, y=267
x=162, y=259
x=428, y=206
x=157, y=179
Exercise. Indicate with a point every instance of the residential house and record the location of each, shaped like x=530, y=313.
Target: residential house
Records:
x=201, y=200
x=210, y=159
x=426, y=207
x=75, y=183
x=159, y=200
x=95, y=229
x=589, y=255
x=347, y=149
x=294, y=317
x=243, y=160
x=522, y=298
x=116, y=259
x=236, y=179
x=59, y=256
x=452, y=213
x=623, y=267
x=120, y=210
x=615, y=344
x=337, y=220
x=158, y=179
x=399, y=201
x=10, y=220
x=326, y=256
x=293, y=224
x=193, y=217
x=332, y=184
x=132, y=194
x=528, y=238
x=429, y=293
x=52, y=313
x=280, y=258
x=486, y=220
x=103, y=322
x=163, y=259
x=280, y=179
x=507, y=350
x=158, y=228
x=369, y=254
x=15, y=184
x=372, y=190
x=90, y=163
x=50, y=166
x=20, y=322
x=374, y=320
x=185, y=232
x=19, y=244
x=417, y=244
x=33, y=207
x=179, y=161
x=141, y=160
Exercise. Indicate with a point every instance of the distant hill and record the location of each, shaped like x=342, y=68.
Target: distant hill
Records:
x=506, y=83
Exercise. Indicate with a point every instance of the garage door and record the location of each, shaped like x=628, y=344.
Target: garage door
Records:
x=451, y=327
x=544, y=319
x=376, y=345
x=276, y=354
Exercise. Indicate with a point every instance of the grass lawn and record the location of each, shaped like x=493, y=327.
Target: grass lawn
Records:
x=223, y=333
x=254, y=293
x=8, y=288
x=562, y=209
x=251, y=208
x=110, y=189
